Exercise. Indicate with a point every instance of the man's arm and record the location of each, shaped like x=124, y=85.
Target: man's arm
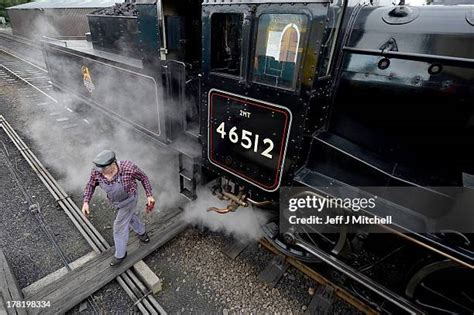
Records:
x=90, y=188
x=138, y=174
x=88, y=192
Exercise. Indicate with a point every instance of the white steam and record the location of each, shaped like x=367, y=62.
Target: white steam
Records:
x=244, y=224
x=69, y=149
x=72, y=155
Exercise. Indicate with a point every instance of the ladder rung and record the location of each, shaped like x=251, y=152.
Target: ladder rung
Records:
x=189, y=195
x=186, y=174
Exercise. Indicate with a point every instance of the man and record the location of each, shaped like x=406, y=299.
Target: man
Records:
x=118, y=180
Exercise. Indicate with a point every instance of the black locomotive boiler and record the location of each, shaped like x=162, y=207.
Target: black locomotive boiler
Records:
x=313, y=94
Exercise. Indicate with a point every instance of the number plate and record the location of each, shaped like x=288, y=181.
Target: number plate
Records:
x=248, y=137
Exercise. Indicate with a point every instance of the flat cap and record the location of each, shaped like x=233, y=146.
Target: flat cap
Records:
x=104, y=158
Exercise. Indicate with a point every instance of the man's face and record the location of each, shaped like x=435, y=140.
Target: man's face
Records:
x=108, y=170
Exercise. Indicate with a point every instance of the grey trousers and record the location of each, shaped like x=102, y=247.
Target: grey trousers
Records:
x=126, y=217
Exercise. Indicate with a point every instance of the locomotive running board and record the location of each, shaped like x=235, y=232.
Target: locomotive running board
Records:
x=360, y=278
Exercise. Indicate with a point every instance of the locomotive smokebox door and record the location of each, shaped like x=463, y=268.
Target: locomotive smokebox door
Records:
x=261, y=65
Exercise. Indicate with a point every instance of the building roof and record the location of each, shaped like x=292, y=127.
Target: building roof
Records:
x=61, y=4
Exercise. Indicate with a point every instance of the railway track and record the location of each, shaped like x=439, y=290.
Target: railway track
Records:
x=129, y=281
x=22, y=47
x=35, y=208
x=340, y=292
x=39, y=90
x=31, y=74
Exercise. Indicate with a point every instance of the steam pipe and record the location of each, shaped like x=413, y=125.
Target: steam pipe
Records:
x=259, y=203
x=236, y=199
x=230, y=208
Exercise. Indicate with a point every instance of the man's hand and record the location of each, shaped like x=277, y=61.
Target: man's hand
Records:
x=150, y=204
x=85, y=209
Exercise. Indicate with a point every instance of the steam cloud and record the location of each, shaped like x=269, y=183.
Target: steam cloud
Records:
x=243, y=224
x=70, y=151
x=71, y=155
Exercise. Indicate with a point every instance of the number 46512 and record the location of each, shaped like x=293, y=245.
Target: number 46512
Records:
x=247, y=140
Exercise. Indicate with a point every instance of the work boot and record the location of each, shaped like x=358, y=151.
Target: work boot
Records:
x=117, y=261
x=144, y=238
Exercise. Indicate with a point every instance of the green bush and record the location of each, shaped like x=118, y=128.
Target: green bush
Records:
x=8, y=3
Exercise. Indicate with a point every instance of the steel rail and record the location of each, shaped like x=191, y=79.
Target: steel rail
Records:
x=134, y=288
x=3, y=50
x=14, y=44
x=34, y=207
x=39, y=216
x=340, y=292
x=29, y=83
x=17, y=38
x=362, y=279
x=128, y=281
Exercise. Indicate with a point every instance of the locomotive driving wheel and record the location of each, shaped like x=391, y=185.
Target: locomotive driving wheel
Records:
x=331, y=242
x=442, y=287
x=333, y=239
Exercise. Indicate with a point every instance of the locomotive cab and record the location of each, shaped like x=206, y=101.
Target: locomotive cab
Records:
x=261, y=63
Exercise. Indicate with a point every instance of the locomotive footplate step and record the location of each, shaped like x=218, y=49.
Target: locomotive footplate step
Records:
x=234, y=247
x=321, y=303
x=274, y=270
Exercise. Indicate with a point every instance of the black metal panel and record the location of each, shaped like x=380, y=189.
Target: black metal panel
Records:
x=174, y=76
x=175, y=27
x=425, y=34
x=401, y=100
x=405, y=95
x=295, y=101
x=248, y=137
x=117, y=34
x=131, y=94
x=149, y=35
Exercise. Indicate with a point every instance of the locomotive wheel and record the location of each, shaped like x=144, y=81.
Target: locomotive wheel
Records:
x=331, y=242
x=442, y=287
x=333, y=239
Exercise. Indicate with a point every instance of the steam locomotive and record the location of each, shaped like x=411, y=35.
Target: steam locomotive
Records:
x=261, y=95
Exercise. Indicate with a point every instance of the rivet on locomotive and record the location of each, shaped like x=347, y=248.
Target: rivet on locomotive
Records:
x=259, y=95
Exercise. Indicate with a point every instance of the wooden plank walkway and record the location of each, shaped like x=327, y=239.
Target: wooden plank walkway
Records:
x=9, y=290
x=78, y=284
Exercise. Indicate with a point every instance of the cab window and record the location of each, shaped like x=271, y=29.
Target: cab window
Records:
x=226, y=43
x=279, y=49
